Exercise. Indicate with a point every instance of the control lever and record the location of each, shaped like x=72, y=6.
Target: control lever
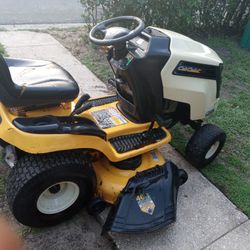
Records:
x=83, y=108
x=112, y=82
x=80, y=102
x=115, y=81
x=147, y=135
x=160, y=121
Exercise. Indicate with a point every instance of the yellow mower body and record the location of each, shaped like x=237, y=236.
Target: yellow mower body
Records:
x=47, y=143
x=111, y=181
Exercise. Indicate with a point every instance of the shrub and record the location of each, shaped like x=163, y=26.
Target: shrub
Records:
x=208, y=17
x=2, y=50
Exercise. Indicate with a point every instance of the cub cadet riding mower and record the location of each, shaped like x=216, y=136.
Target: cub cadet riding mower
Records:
x=65, y=152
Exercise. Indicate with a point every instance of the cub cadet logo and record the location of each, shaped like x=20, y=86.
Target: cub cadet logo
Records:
x=189, y=69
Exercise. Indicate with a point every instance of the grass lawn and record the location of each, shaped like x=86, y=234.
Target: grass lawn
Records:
x=2, y=50
x=230, y=172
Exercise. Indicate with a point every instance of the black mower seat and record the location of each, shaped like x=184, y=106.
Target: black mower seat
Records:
x=31, y=83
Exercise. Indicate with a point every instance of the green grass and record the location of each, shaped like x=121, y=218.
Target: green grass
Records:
x=95, y=60
x=101, y=69
x=2, y=50
x=231, y=170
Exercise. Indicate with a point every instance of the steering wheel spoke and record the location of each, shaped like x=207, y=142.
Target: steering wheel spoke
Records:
x=107, y=40
x=102, y=29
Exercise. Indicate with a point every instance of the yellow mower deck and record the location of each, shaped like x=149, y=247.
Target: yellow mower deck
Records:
x=111, y=181
x=45, y=143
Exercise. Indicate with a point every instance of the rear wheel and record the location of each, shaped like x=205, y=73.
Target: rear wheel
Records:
x=205, y=144
x=43, y=190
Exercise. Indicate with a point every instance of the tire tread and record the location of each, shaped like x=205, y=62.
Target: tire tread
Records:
x=30, y=166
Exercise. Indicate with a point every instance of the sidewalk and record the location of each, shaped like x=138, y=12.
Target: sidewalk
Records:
x=36, y=27
x=206, y=219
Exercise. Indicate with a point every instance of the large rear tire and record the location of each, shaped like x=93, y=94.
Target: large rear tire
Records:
x=205, y=144
x=43, y=190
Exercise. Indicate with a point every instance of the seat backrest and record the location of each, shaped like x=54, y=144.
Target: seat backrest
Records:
x=5, y=76
x=7, y=87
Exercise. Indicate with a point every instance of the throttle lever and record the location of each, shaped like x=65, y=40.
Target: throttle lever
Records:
x=83, y=108
x=82, y=100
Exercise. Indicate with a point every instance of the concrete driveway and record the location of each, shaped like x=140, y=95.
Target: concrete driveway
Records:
x=40, y=11
x=206, y=219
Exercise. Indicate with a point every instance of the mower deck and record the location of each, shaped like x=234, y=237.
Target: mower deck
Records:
x=112, y=180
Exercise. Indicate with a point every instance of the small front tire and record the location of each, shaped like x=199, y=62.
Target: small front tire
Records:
x=205, y=144
x=43, y=190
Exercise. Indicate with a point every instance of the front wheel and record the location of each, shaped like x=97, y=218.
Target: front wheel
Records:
x=43, y=190
x=205, y=144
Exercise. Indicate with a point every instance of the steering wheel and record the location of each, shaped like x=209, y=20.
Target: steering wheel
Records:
x=104, y=26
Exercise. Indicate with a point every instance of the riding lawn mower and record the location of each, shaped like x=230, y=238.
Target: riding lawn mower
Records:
x=67, y=152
